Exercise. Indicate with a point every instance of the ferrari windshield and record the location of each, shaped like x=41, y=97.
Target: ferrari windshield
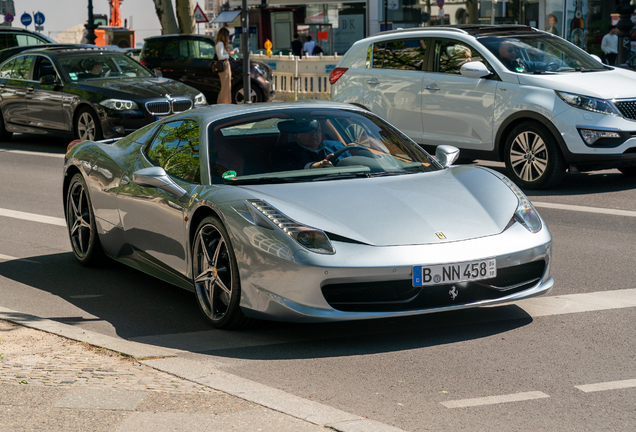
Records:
x=296, y=145
x=540, y=53
x=101, y=66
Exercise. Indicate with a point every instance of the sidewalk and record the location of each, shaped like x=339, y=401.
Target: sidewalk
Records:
x=50, y=383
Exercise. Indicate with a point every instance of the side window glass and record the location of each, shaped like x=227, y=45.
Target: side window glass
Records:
x=450, y=55
x=21, y=68
x=176, y=149
x=378, y=55
x=172, y=51
x=188, y=49
x=206, y=50
x=7, y=40
x=26, y=40
x=7, y=69
x=407, y=54
x=45, y=67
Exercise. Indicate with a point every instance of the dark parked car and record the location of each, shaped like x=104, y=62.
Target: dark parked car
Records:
x=187, y=58
x=13, y=36
x=88, y=93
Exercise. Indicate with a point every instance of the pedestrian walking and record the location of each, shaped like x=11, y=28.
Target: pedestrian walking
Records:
x=609, y=45
x=223, y=54
x=308, y=47
x=297, y=46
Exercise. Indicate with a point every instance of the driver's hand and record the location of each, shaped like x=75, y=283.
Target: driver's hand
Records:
x=323, y=163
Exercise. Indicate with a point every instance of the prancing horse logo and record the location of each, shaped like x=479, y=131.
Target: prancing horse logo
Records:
x=453, y=292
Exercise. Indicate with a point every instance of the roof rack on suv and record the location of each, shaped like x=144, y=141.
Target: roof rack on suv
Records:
x=411, y=29
x=473, y=29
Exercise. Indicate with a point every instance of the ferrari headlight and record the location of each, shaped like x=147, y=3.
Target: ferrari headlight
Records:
x=525, y=214
x=119, y=104
x=200, y=100
x=589, y=103
x=310, y=238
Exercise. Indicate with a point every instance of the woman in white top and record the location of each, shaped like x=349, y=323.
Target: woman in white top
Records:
x=222, y=48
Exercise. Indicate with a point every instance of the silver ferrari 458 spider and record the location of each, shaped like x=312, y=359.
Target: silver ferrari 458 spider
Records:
x=306, y=211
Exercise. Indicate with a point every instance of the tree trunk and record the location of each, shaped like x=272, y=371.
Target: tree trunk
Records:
x=185, y=16
x=165, y=13
x=473, y=13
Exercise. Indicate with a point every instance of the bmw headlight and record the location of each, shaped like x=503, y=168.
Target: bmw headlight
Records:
x=310, y=238
x=200, y=100
x=601, y=106
x=525, y=213
x=261, y=70
x=119, y=104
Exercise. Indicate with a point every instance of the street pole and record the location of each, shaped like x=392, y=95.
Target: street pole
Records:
x=386, y=15
x=625, y=9
x=245, y=21
x=492, y=15
x=90, y=25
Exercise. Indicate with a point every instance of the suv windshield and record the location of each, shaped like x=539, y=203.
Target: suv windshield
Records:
x=101, y=66
x=539, y=53
x=285, y=146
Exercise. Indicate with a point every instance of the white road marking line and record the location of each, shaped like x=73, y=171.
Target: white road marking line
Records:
x=575, y=303
x=32, y=217
x=585, y=209
x=10, y=258
x=611, y=385
x=53, y=155
x=492, y=400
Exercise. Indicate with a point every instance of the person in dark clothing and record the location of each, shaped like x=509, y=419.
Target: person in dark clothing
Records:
x=308, y=151
x=297, y=46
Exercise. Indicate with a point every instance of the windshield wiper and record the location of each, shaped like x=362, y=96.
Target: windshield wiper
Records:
x=341, y=176
x=263, y=180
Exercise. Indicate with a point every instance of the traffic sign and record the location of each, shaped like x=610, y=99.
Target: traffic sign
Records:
x=8, y=18
x=26, y=19
x=440, y=4
x=425, y=17
x=39, y=18
x=393, y=4
x=199, y=16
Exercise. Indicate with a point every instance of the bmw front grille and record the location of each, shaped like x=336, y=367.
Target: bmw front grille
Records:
x=166, y=107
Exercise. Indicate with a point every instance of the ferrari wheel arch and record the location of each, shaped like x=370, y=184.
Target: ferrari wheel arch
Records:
x=68, y=176
x=198, y=215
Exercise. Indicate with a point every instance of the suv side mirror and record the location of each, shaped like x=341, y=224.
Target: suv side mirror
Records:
x=48, y=80
x=475, y=69
x=446, y=155
x=157, y=72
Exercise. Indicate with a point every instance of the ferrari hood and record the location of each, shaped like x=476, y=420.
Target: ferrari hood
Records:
x=443, y=206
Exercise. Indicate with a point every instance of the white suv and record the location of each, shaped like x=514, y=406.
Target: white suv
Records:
x=505, y=93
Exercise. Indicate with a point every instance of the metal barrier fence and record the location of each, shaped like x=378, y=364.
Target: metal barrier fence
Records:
x=296, y=78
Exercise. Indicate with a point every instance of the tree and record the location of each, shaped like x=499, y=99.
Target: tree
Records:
x=471, y=8
x=185, y=16
x=165, y=12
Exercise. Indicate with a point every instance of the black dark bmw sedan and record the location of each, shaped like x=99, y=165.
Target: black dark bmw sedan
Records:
x=86, y=93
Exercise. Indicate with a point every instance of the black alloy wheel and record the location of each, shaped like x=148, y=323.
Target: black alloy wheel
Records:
x=216, y=279
x=532, y=157
x=238, y=94
x=80, y=221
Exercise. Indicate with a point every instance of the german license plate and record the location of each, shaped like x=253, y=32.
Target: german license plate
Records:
x=452, y=273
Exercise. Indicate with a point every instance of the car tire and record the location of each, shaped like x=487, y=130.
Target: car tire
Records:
x=80, y=221
x=237, y=94
x=532, y=157
x=5, y=135
x=629, y=171
x=87, y=126
x=216, y=277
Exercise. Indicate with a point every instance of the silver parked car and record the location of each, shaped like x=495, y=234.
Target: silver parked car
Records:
x=307, y=211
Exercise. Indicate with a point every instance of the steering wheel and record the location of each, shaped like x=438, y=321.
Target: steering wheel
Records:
x=340, y=151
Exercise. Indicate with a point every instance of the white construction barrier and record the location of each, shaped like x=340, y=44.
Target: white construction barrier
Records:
x=296, y=78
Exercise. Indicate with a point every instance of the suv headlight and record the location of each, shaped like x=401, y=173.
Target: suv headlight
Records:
x=589, y=103
x=525, y=213
x=261, y=70
x=310, y=238
x=119, y=104
x=200, y=100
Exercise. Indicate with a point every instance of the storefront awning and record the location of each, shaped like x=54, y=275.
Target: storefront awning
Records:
x=226, y=16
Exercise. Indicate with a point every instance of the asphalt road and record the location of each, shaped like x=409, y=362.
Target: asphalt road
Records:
x=502, y=368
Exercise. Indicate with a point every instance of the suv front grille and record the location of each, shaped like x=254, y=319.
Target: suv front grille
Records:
x=166, y=107
x=627, y=108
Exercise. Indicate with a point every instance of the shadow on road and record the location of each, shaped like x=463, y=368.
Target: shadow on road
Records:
x=139, y=307
x=41, y=144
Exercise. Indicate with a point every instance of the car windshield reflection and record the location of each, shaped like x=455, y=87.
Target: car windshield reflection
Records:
x=102, y=66
x=304, y=145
